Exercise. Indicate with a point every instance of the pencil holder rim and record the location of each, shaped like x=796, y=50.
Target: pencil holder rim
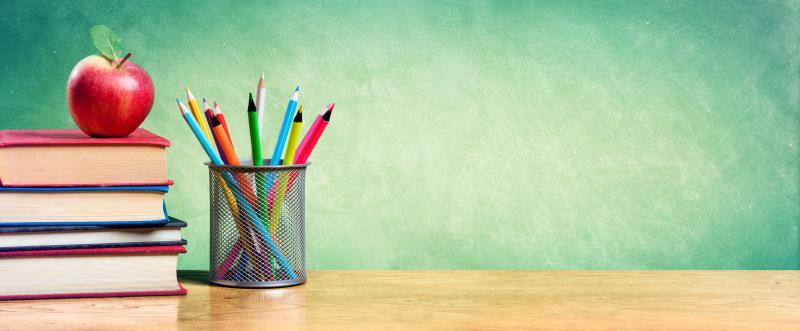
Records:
x=252, y=167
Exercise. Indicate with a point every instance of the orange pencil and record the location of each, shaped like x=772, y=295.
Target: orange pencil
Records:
x=246, y=185
x=224, y=142
x=227, y=148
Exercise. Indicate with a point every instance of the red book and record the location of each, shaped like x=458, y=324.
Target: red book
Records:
x=90, y=272
x=58, y=158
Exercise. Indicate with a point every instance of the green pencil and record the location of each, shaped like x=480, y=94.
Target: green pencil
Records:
x=261, y=189
x=255, y=136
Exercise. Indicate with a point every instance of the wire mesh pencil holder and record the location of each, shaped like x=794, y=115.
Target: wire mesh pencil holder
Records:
x=257, y=225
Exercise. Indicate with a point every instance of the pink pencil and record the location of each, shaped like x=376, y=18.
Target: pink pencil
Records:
x=306, y=145
x=309, y=141
x=226, y=264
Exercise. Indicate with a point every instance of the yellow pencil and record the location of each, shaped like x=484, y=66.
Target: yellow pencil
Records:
x=291, y=147
x=294, y=136
x=198, y=116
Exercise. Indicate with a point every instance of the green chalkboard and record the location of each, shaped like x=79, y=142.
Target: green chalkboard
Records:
x=474, y=134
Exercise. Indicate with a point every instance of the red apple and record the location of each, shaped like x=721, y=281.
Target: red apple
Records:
x=106, y=101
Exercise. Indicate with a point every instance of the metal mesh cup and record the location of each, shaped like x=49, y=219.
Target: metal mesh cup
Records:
x=257, y=225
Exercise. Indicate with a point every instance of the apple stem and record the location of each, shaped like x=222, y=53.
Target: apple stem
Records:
x=123, y=60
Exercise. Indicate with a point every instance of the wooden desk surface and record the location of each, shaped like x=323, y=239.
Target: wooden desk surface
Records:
x=457, y=300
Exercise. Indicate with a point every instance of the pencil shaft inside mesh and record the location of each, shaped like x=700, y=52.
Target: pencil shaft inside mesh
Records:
x=241, y=226
x=260, y=228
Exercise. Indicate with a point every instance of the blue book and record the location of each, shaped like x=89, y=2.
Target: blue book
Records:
x=90, y=205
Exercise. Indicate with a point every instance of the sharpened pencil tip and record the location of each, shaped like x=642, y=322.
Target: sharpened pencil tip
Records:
x=261, y=82
x=180, y=106
x=297, y=89
x=298, y=118
x=251, y=105
x=215, y=122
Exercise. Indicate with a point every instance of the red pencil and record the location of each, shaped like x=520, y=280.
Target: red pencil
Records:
x=209, y=115
x=306, y=145
x=221, y=118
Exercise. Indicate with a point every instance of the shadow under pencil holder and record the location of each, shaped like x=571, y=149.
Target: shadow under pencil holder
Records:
x=257, y=225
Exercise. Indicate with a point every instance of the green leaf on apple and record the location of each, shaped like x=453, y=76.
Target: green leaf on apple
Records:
x=106, y=41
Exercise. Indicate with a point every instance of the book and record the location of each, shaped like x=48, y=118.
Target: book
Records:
x=56, y=158
x=23, y=238
x=92, y=272
x=23, y=206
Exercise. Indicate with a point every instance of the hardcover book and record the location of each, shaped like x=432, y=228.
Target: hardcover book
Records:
x=23, y=238
x=111, y=205
x=92, y=272
x=56, y=158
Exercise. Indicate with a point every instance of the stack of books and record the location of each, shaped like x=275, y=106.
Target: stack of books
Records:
x=85, y=217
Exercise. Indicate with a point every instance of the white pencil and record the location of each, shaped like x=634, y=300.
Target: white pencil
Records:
x=261, y=93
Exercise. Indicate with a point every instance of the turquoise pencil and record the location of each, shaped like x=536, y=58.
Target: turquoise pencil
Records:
x=212, y=154
x=285, y=127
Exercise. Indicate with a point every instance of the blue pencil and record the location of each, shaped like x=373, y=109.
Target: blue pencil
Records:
x=241, y=200
x=212, y=154
x=291, y=108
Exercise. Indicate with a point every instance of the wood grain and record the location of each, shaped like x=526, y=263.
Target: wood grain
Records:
x=449, y=300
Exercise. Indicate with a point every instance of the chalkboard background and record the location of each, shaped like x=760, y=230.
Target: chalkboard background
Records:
x=473, y=134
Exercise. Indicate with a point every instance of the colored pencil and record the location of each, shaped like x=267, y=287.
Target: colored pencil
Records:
x=198, y=116
x=226, y=147
x=312, y=136
x=255, y=136
x=192, y=122
x=255, y=144
x=221, y=117
x=243, y=183
x=294, y=136
x=285, y=126
x=209, y=115
x=309, y=141
x=261, y=94
x=277, y=192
